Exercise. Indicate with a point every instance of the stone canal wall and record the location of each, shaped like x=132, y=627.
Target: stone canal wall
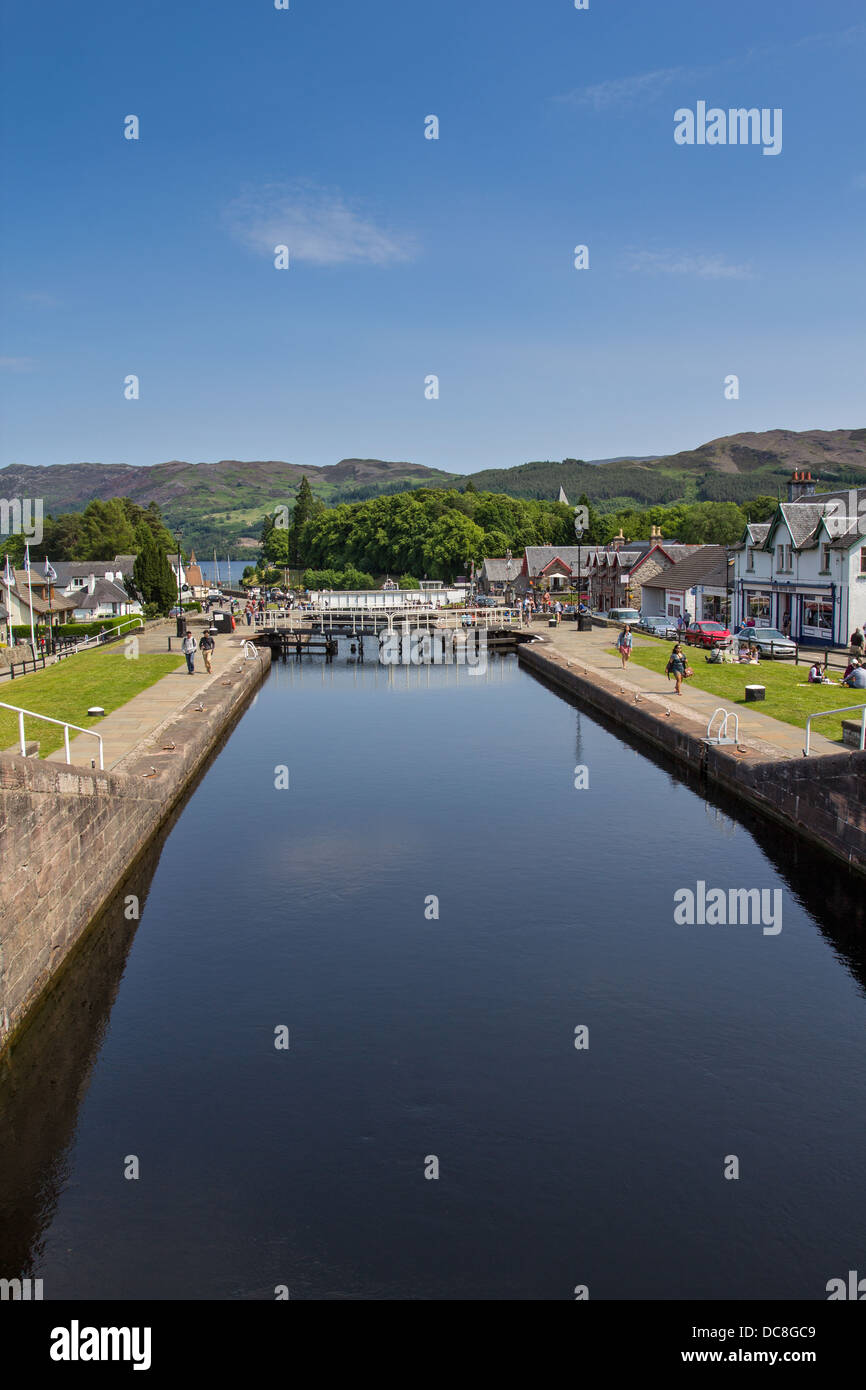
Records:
x=820, y=798
x=69, y=835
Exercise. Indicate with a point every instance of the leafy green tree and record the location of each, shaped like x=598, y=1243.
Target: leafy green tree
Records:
x=453, y=542
x=106, y=531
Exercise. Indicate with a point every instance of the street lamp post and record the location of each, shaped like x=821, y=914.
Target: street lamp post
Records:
x=177, y=535
x=578, y=531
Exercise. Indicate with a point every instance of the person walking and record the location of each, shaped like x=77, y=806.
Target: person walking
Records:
x=677, y=666
x=249, y=615
x=624, y=642
x=857, y=643
x=557, y=608
x=786, y=625
x=188, y=647
x=206, y=647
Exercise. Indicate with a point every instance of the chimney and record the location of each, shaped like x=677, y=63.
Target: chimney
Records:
x=801, y=485
x=91, y=583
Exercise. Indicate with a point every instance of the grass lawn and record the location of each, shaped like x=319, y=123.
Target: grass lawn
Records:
x=789, y=696
x=67, y=690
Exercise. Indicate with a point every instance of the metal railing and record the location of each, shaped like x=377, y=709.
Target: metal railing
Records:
x=251, y=651
x=65, y=725
x=100, y=638
x=843, y=709
x=723, y=736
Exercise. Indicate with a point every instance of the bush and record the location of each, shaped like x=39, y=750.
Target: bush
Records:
x=21, y=631
x=151, y=611
x=194, y=607
x=91, y=629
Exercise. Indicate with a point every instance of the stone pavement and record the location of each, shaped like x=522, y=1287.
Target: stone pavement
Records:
x=124, y=729
x=589, y=649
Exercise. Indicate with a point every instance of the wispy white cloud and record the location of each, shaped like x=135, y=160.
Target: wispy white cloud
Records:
x=702, y=267
x=319, y=226
x=39, y=298
x=16, y=364
x=622, y=92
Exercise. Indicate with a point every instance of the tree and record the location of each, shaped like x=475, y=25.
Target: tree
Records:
x=453, y=542
x=152, y=575
x=106, y=531
x=305, y=508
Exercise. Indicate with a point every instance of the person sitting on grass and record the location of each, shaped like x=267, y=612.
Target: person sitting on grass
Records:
x=857, y=679
x=817, y=675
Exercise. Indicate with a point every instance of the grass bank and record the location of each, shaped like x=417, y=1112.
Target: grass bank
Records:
x=789, y=696
x=66, y=691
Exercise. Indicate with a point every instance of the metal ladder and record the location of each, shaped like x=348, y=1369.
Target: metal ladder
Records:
x=722, y=736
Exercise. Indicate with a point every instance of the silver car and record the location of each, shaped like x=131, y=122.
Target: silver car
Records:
x=659, y=626
x=770, y=641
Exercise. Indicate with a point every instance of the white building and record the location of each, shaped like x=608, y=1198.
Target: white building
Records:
x=806, y=567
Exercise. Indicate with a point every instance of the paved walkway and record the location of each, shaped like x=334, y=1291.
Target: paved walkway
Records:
x=590, y=648
x=123, y=730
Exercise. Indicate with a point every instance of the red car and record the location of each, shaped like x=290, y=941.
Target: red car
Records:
x=707, y=634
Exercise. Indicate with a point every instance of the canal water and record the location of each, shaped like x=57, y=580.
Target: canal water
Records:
x=431, y=908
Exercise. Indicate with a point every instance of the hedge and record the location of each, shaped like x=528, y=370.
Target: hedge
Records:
x=91, y=629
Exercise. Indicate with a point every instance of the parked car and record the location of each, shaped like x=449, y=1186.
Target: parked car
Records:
x=770, y=641
x=707, y=634
x=624, y=615
x=659, y=626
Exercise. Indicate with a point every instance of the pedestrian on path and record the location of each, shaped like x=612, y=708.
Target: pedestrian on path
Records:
x=557, y=608
x=857, y=643
x=677, y=667
x=206, y=646
x=624, y=642
x=188, y=647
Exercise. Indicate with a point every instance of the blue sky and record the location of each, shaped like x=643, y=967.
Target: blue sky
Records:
x=412, y=257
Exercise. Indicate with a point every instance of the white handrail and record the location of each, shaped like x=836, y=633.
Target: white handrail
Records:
x=66, y=726
x=722, y=736
x=99, y=637
x=843, y=709
x=251, y=651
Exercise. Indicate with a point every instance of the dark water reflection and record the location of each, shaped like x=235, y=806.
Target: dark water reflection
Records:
x=452, y=1037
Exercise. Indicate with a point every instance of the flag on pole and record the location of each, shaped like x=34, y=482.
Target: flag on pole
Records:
x=562, y=496
x=50, y=571
x=8, y=576
x=30, y=593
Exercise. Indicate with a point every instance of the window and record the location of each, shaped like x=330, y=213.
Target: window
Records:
x=863, y=559
x=758, y=607
x=817, y=615
x=783, y=557
x=750, y=564
x=825, y=559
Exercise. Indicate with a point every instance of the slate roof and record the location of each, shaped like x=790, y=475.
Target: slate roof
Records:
x=538, y=557
x=497, y=570
x=707, y=566
x=104, y=591
x=67, y=570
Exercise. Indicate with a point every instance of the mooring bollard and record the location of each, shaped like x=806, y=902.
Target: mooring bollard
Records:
x=755, y=692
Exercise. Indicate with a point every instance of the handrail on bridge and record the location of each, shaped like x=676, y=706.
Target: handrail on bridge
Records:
x=844, y=709
x=66, y=726
x=250, y=651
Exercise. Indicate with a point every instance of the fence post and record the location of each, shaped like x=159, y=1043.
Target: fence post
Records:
x=66, y=742
x=23, y=745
